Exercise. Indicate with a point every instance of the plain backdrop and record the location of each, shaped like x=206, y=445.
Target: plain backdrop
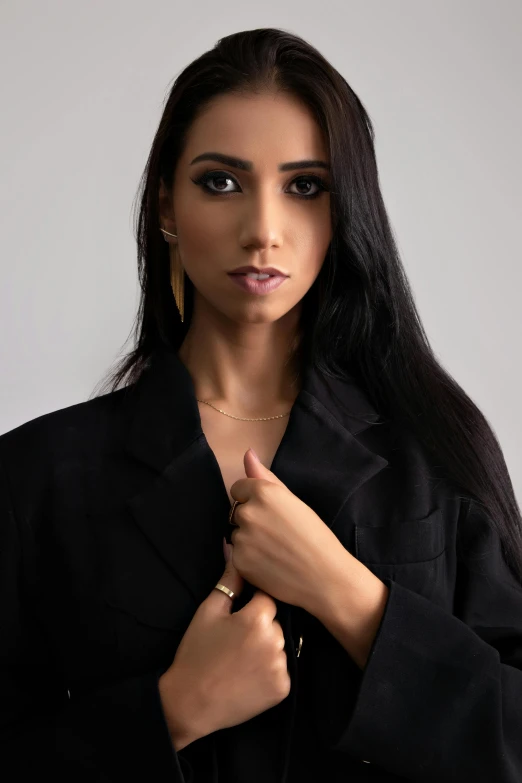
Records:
x=82, y=90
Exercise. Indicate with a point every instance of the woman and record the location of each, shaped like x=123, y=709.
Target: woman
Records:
x=368, y=621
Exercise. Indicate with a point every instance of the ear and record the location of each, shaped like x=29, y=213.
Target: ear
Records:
x=166, y=212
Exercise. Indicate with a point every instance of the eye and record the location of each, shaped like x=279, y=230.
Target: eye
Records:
x=223, y=177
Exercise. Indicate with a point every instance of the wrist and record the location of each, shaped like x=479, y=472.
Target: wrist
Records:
x=336, y=579
x=347, y=590
x=177, y=712
x=353, y=607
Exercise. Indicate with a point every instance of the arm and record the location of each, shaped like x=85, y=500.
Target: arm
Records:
x=352, y=605
x=115, y=732
x=439, y=697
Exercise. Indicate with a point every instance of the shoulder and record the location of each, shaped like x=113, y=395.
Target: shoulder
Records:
x=61, y=433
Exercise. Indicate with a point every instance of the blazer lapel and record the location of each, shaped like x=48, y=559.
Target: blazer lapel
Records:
x=183, y=511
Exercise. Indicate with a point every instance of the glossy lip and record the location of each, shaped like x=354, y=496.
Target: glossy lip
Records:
x=267, y=270
x=258, y=286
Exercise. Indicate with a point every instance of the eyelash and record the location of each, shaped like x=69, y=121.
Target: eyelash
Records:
x=209, y=175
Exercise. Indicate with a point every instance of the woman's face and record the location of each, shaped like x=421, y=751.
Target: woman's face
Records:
x=259, y=215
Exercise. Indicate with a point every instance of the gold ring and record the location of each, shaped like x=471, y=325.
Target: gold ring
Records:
x=234, y=524
x=225, y=589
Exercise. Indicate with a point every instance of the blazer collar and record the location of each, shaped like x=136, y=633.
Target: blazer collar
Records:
x=184, y=510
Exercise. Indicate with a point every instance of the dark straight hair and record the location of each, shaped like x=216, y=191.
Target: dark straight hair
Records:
x=359, y=317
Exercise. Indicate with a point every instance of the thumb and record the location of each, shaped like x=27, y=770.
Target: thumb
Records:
x=254, y=468
x=231, y=578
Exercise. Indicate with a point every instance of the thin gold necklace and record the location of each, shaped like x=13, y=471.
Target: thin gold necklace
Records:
x=240, y=418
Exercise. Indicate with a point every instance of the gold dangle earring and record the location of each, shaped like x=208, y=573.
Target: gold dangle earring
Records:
x=177, y=274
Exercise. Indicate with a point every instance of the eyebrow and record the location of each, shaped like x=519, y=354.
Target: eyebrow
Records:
x=247, y=165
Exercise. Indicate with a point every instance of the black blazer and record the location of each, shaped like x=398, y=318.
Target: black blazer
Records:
x=112, y=517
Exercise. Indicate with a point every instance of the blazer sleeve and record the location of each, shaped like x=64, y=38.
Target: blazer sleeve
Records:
x=119, y=732
x=440, y=697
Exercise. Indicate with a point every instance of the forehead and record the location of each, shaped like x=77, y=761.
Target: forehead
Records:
x=267, y=128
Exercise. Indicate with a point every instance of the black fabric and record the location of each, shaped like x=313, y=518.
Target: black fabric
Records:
x=112, y=513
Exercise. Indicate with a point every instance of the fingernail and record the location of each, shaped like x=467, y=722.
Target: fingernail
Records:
x=255, y=455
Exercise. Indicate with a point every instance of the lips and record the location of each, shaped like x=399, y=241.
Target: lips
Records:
x=267, y=270
x=254, y=286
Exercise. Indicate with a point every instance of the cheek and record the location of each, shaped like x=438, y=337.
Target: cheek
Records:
x=201, y=234
x=312, y=231
x=310, y=252
x=206, y=225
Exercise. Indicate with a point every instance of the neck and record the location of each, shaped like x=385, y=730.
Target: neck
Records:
x=254, y=376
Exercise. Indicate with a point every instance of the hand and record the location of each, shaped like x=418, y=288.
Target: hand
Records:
x=281, y=545
x=228, y=667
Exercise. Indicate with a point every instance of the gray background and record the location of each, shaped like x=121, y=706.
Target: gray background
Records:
x=82, y=88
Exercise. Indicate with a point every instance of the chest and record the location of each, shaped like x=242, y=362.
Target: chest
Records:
x=229, y=439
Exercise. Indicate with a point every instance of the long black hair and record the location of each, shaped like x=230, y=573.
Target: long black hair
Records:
x=359, y=316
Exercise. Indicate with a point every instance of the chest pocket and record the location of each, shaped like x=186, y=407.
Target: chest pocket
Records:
x=411, y=541
x=411, y=552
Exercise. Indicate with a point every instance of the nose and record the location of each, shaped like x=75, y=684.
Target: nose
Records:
x=263, y=222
